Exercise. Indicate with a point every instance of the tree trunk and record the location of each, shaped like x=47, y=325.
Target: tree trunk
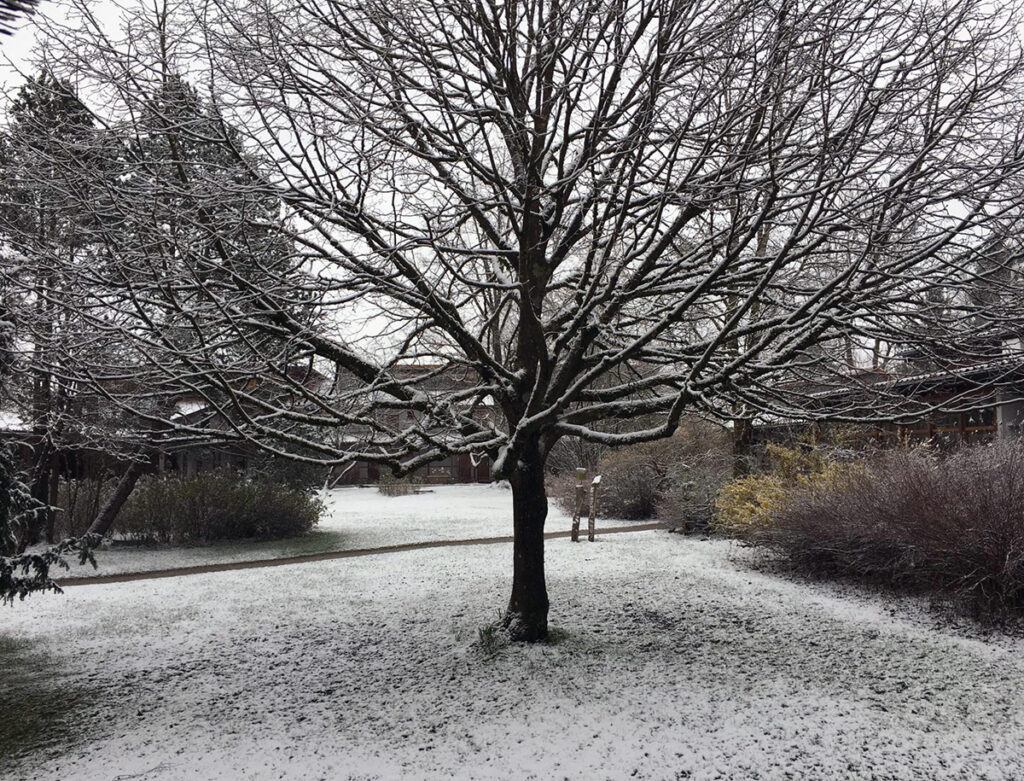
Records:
x=105, y=517
x=52, y=499
x=742, y=441
x=39, y=488
x=527, y=615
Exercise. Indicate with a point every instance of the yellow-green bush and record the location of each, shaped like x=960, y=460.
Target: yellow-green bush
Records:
x=748, y=505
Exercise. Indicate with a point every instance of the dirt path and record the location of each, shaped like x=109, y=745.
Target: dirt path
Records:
x=203, y=569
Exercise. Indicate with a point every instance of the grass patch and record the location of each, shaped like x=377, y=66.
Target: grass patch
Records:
x=558, y=636
x=491, y=640
x=35, y=712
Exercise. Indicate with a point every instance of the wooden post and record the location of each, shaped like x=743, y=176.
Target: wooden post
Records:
x=581, y=495
x=593, y=507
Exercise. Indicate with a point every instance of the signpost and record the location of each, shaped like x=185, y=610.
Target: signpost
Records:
x=581, y=498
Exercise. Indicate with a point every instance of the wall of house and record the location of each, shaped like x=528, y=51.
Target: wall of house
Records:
x=1010, y=417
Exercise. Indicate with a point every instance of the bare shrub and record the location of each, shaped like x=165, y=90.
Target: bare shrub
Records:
x=668, y=478
x=78, y=502
x=910, y=519
x=389, y=485
x=687, y=500
x=569, y=453
x=631, y=479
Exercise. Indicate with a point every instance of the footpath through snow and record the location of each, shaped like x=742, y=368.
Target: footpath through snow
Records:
x=672, y=660
x=285, y=561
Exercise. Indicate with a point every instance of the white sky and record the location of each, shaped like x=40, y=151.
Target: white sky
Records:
x=16, y=48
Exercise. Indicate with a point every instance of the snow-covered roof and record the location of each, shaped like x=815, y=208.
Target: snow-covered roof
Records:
x=11, y=421
x=186, y=407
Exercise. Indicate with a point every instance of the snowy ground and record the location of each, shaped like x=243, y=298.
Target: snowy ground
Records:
x=354, y=518
x=673, y=660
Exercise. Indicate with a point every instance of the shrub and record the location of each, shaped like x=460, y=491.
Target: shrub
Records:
x=631, y=479
x=910, y=519
x=215, y=506
x=749, y=505
x=389, y=485
x=687, y=502
x=644, y=480
x=396, y=488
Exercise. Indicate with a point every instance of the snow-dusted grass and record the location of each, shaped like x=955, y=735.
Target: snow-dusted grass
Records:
x=673, y=660
x=354, y=518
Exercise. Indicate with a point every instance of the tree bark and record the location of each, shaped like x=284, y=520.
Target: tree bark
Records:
x=105, y=517
x=742, y=442
x=527, y=615
x=39, y=488
x=52, y=498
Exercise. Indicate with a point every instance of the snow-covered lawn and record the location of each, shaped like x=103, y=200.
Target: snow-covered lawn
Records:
x=354, y=518
x=673, y=660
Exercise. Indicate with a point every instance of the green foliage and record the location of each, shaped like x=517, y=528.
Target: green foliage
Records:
x=216, y=506
x=492, y=639
x=49, y=132
x=22, y=574
x=17, y=506
x=46, y=103
x=29, y=573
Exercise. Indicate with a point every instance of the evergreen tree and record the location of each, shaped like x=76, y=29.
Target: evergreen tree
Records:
x=50, y=135
x=186, y=215
x=23, y=574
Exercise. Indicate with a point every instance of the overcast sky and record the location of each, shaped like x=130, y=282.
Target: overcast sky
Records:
x=14, y=49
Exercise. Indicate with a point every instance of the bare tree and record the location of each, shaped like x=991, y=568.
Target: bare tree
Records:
x=13, y=11
x=588, y=211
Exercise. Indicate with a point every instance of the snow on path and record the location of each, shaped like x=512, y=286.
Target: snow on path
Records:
x=343, y=554
x=673, y=662
x=355, y=518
